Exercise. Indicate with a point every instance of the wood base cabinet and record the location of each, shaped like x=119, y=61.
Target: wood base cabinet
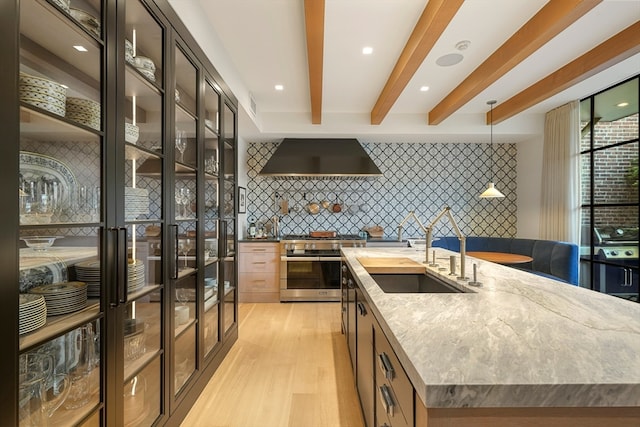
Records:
x=259, y=272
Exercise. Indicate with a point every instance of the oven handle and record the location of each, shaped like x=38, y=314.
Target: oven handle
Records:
x=299, y=258
x=330, y=258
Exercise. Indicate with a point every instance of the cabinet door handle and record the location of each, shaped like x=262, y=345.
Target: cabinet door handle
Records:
x=258, y=250
x=112, y=259
x=362, y=309
x=174, y=271
x=386, y=366
x=123, y=266
x=387, y=400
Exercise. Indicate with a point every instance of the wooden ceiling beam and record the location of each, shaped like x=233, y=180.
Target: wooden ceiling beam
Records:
x=552, y=19
x=314, y=23
x=434, y=20
x=618, y=48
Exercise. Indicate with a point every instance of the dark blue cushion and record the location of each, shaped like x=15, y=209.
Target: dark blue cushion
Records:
x=558, y=260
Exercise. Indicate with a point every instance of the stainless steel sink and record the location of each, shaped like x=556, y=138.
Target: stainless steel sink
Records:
x=412, y=283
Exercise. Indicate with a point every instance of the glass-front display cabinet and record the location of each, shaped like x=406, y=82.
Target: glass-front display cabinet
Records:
x=230, y=273
x=118, y=228
x=61, y=302
x=141, y=300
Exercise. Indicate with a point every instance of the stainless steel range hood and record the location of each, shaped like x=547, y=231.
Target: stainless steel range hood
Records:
x=317, y=158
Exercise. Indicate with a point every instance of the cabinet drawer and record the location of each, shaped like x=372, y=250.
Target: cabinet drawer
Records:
x=259, y=247
x=256, y=282
x=259, y=262
x=397, y=389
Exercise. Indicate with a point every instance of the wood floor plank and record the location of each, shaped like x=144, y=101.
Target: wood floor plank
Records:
x=289, y=368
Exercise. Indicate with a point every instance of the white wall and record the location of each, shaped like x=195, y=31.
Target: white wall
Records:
x=529, y=172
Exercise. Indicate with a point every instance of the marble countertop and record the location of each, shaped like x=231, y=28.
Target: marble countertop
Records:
x=518, y=340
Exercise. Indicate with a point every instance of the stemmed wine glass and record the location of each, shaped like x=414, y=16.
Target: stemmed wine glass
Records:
x=184, y=246
x=180, y=201
x=181, y=143
x=186, y=201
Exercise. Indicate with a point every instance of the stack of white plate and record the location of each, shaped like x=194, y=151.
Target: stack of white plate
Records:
x=89, y=272
x=128, y=52
x=146, y=67
x=43, y=93
x=84, y=111
x=136, y=202
x=32, y=313
x=135, y=275
x=131, y=133
x=63, y=297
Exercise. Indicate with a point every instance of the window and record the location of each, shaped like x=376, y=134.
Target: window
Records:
x=609, y=178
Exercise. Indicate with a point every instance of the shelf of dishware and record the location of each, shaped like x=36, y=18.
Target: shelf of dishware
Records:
x=72, y=416
x=61, y=32
x=145, y=91
x=42, y=125
x=57, y=325
x=69, y=255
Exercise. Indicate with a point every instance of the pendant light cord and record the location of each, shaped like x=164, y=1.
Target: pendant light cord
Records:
x=491, y=138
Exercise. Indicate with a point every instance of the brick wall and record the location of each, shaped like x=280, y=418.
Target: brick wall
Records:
x=611, y=167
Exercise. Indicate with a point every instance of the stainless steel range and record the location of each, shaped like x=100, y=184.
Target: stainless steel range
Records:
x=617, y=250
x=310, y=266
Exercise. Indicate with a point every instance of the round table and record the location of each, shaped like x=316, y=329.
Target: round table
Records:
x=501, y=257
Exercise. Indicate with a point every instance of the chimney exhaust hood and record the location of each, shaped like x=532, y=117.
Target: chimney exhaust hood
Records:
x=318, y=158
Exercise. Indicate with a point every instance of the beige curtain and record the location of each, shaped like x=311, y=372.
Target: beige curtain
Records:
x=560, y=210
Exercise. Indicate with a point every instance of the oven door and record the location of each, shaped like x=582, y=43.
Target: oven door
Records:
x=310, y=278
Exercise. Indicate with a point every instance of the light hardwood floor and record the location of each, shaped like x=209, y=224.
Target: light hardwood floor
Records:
x=289, y=368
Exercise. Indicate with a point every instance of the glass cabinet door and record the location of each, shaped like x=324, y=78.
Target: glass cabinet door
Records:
x=61, y=311
x=211, y=334
x=230, y=291
x=143, y=287
x=185, y=215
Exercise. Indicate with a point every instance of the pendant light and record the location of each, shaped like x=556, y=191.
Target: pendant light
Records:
x=491, y=191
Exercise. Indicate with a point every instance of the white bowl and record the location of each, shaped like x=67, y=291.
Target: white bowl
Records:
x=182, y=314
x=40, y=243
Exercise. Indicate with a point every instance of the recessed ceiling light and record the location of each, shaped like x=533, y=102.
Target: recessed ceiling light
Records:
x=279, y=87
x=449, y=59
x=424, y=88
x=623, y=104
x=80, y=48
x=367, y=50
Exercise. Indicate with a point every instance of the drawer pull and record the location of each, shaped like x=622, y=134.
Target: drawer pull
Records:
x=259, y=262
x=386, y=366
x=362, y=309
x=258, y=250
x=387, y=401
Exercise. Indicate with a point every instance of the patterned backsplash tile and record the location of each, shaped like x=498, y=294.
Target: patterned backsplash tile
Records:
x=420, y=177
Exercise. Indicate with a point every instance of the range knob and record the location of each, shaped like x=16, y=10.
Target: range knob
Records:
x=335, y=246
x=307, y=245
x=286, y=246
x=628, y=252
x=313, y=246
x=614, y=253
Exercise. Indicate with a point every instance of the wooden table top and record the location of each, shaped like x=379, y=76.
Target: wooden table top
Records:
x=501, y=257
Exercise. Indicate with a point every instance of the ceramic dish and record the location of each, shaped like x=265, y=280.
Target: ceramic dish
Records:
x=88, y=21
x=27, y=79
x=46, y=270
x=64, y=4
x=148, y=74
x=142, y=62
x=36, y=167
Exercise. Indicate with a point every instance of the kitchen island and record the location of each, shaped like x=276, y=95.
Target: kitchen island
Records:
x=519, y=346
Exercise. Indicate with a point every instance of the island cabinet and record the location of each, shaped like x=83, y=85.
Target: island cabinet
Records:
x=365, y=354
x=403, y=364
x=259, y=271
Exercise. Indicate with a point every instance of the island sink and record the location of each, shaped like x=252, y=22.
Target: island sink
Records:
x=412, y=283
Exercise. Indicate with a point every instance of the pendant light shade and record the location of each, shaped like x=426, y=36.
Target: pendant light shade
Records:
x=491, y=191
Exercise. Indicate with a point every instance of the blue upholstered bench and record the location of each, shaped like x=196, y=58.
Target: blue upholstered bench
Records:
x=557, y=260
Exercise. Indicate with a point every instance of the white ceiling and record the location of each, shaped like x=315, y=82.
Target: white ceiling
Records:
x=265, y=43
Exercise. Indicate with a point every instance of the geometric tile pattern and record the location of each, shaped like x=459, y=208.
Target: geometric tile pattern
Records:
x=420, y=177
